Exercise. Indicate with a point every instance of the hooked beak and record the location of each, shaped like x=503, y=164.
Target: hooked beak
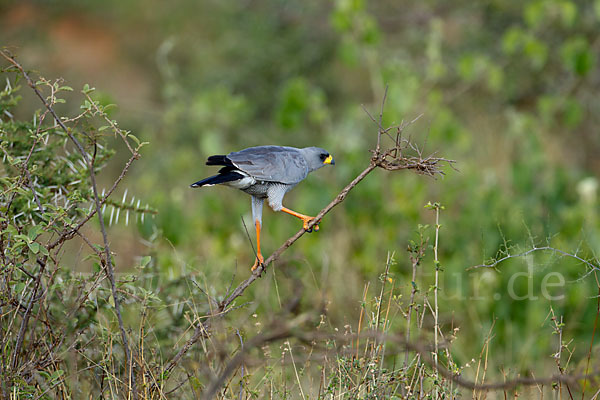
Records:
x=329, y=160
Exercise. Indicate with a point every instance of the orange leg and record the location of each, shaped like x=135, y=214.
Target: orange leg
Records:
x=259, y=258
x=305, y=218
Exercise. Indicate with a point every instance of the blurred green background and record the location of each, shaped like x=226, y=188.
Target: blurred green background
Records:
x=508, y=89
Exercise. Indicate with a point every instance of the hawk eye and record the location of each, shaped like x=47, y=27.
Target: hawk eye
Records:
x=323, y=156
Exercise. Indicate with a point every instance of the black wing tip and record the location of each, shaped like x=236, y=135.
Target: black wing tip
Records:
x=218, y=160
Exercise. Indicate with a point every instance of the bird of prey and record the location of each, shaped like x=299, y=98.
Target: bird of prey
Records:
x=267, y=172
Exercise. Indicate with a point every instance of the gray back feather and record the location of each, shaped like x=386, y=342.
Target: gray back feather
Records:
x=272, y=163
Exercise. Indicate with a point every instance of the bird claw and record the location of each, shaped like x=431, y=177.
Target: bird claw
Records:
x=315, y=227
x=259, y=261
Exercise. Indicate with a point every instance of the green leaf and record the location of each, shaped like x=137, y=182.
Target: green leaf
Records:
x=87, y=89
x=293, y=103
x=34, y=247
x=18, y=287
x=370, y=34
x=135, y=139
x=341, y=20
x=495, y=78
x=568, y=13
x=578, y=56
x=535, y=13
x=57, y=374
x=145, y=261
x=472, y=66
x=23, y=238
x=34, y=231
x=12, y=230
x=512, y=40
x=537, y=52
x=44, y=374
x=44, y=250
x=573, y=113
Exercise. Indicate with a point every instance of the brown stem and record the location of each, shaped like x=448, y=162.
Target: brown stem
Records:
x=25, y=321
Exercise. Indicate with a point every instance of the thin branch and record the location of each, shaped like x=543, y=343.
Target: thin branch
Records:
x=237, y=331
x=71, y=232
x=416, y=255
x=31, y=186
x=494, y=263
x=380, y=124
x=27, y=315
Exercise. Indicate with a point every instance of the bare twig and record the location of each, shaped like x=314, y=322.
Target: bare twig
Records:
x=436, y=263
x=417, y=254
x=483, y=356
x=32, y=187
x=494, y=263
x=27, y=174
x=27, y=315
x=558, y=330
x=241, y=366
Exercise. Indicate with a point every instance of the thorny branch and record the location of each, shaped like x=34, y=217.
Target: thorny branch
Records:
x=98, y=206
x=592, y=267
x=391, y=159
x=69, y=233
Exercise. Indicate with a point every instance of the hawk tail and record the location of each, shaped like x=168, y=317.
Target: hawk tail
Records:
x=220, y=178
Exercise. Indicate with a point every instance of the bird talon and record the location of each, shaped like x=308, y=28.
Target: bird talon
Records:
x=259, y=261
x=307, y=221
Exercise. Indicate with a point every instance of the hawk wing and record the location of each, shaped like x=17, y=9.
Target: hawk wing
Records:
x=271, y=163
